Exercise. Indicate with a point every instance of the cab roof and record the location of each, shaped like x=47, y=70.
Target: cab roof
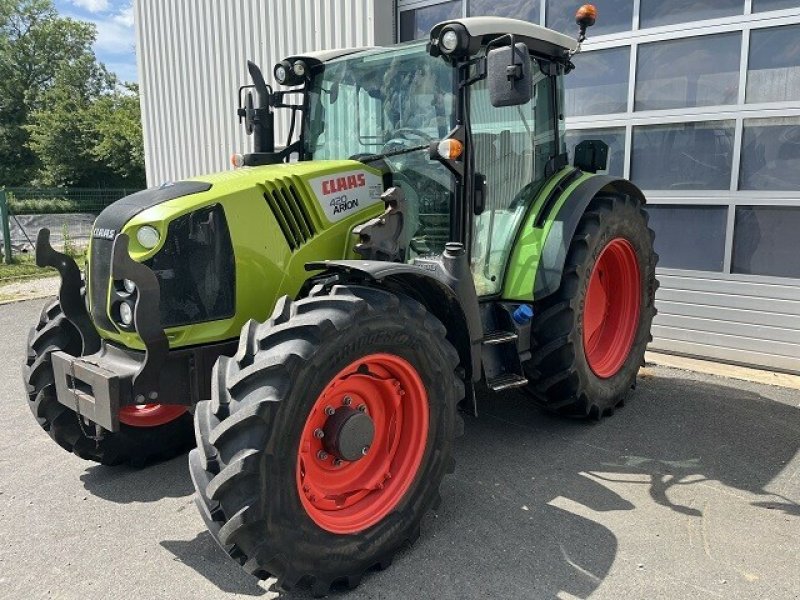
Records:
x=481, y=30
x=538, y=38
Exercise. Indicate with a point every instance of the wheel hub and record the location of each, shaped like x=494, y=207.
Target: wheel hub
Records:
x=348, y=434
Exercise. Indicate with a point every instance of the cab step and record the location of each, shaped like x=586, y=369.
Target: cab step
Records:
x=507, y=381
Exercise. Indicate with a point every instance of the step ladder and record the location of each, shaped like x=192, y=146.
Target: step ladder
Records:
x=501, y=361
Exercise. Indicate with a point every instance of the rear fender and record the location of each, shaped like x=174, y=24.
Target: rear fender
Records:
x=565, y=224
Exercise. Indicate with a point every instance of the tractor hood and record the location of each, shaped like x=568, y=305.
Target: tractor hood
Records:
x=225, y=247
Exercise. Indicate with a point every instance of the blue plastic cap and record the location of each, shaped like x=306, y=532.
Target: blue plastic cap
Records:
x=523, y=314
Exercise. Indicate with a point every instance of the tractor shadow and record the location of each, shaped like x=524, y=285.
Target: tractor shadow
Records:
x=519, y=519
x=204, y=556
x=124, y=484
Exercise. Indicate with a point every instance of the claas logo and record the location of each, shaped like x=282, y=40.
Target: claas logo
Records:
x=343, y=184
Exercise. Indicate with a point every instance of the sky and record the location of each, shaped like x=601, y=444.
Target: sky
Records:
x=115, y=45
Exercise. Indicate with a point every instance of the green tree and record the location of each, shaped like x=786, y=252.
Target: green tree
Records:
x=39, y=50
x=116, y=122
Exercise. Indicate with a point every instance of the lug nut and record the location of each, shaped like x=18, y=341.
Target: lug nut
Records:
x=347, y=401
x=337, y=462
x=329, y=410
x=364, y=450
x=319, y=434
x=322, y=455
x=362, y=407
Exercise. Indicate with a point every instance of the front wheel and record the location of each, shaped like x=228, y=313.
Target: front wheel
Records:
x=591, y=335
x=327, y=436
x=147, y=433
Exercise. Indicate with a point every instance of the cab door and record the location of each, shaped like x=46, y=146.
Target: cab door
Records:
x=512, y=145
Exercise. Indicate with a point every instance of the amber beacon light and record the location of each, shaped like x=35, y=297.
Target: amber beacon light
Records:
x=586, y=16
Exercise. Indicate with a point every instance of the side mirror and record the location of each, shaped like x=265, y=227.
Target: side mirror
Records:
x=508, y=71
x=591, y=156
x=248, y=113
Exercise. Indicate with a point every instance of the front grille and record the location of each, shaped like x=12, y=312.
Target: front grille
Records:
x=196, y=269
x=290, y=212
x=99, y=278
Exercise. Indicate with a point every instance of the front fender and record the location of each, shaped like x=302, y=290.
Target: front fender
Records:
x=444, y=286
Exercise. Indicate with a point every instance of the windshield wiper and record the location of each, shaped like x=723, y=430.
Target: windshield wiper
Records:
x=368, y=158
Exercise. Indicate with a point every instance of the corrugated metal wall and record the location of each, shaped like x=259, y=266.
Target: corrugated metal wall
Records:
x=754, y=324
x=192, y=59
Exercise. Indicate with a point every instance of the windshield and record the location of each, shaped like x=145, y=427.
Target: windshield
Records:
x=387, y=101
x=360, y=105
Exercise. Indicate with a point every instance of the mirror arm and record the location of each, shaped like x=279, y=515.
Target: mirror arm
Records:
x=479, y=76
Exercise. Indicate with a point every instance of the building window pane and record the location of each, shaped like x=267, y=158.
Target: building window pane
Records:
x=698, y=71
x=599, y=83
x=654, y=13
x=764, y=241
x=774, y=68
x=771, y=155
x=691, y=238
x=683, y=156
x=614, y=16
x=417, y=24
x=527, y=11
x=615, y=138
x=762, y=5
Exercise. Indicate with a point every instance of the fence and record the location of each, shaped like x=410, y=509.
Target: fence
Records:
x=68, y=213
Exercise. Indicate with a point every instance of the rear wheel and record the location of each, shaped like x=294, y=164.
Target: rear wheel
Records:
x=590, y=336
x=327, y=436
x=147, y=434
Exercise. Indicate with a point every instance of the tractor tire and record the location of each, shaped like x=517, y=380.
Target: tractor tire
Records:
x=590, y=336
x=275, y=489
x=154, y=440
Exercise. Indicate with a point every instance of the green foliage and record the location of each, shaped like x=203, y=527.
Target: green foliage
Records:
x=24, y=267
x=42, y=206
x=58, y=106
x=116, y=122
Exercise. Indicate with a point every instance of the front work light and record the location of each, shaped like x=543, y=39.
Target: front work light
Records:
x=282, y=72
x=299, y=68
x=454, y=40
x=449, y=41
x=148, y=236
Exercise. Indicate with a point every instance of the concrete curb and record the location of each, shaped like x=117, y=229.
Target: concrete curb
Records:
x=725, y=370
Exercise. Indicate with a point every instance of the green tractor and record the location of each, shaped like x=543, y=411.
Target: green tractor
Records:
x=316, y=318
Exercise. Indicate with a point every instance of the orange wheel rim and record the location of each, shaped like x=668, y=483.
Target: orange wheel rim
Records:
x=611, y=312
x=150, y=415
x=348, y=480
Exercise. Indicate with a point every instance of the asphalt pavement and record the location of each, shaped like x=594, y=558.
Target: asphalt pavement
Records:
x=690, y=491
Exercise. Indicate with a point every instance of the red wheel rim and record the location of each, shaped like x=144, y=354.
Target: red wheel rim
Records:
x=150, y=415
x=611, y=313
x=347, y=497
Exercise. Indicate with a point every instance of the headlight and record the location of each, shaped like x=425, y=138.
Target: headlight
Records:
x=126, y=314
x=129, y=286
x=449, y=41
x=299, y=68
x=148, y=236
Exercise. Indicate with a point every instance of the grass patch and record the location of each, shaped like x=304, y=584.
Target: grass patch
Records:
x=24, y=267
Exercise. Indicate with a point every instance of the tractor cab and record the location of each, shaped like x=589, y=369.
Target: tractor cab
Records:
x=395, y=107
